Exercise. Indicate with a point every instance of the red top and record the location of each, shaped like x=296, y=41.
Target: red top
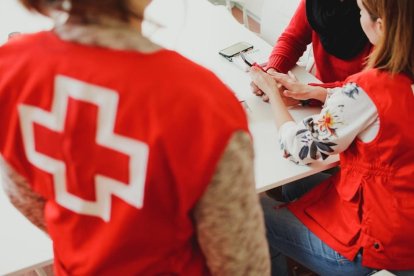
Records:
x=121, y=144
x=368, y=205
x=292, y=44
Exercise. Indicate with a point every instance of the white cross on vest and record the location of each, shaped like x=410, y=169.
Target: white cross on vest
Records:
x=106, y=100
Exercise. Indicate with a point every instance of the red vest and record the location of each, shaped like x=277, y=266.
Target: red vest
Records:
x=369, y=205
x=121, y=144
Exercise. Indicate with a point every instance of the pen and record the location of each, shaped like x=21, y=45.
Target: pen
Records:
x=250, y=63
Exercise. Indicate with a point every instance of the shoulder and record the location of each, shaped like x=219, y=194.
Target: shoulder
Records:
x=23, y=46
x=24, y=41
x=301, y=10
x=191, y=87
x=373, y=79
x=382, y=88
x=195, y=80
x=184, y=69
x=369, y=80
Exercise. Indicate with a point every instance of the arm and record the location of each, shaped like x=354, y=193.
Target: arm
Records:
x=292, y=43
x=22, y=197
x=348, y=112
x=229, y=218
x=292, y=88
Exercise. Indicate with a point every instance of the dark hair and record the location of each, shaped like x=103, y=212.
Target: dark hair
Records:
x=85, y=8
x=337, y=24
x=394, y=51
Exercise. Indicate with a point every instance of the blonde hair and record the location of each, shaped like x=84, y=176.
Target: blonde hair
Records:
x=395, y=49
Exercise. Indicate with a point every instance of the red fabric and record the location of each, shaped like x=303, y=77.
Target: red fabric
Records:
x=328, y=84
x=180, y=110
x=369, y=203
x=292, y=44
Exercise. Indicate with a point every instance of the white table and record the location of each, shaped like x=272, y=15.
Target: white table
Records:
x=198, y=30
x=13, y=18
x=23, y=247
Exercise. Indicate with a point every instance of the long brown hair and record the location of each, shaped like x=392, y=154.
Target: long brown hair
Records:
x=86, y=8
x=395, y=49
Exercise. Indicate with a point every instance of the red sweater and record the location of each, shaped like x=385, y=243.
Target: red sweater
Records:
x=292, y=44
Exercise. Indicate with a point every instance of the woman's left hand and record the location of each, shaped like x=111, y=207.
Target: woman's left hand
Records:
x=265, y=83
x=271, y=89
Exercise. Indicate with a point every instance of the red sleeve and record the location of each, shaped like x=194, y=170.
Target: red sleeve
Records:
x=292, y=43
x=328, y=84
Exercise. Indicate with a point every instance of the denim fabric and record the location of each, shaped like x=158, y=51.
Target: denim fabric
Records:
x=296, y=189
x=288, y=236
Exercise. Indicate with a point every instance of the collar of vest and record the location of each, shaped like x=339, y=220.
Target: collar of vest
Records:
x=114, y=35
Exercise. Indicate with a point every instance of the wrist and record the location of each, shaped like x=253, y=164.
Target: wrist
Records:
x=271, y=70
x=275, y=97
x=318, y=93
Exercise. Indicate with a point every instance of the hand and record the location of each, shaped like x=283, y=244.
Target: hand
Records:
x=268, y=85
x=256, y=90
x=297, y=90
x=263, y=84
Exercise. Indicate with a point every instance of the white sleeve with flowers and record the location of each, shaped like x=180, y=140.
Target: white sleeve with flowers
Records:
x=348, y=113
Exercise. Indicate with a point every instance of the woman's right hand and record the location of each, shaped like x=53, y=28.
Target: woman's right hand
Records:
x=297, y=90
x=258, y=92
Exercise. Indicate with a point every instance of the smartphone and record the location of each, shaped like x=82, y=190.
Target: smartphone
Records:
x=235, y=49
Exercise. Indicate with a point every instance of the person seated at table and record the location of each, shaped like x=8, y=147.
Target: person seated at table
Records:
x=135, y=160
x=339, y=44
x=360, y=219
x=340, y=48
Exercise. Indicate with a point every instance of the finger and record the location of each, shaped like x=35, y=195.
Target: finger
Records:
x=279, y=85
x=276, y=74
x=282, y=79
x=263, y=80
x=265, y=98
x=290, y=94
x=254, y=87
x=258, y=92
x=292, y=76
x=255, y=73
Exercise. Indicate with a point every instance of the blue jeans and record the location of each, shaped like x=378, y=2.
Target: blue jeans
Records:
x=287, y=236
x=296, y=189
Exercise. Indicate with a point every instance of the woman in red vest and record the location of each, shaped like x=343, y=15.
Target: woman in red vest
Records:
x=340, y=48
x=135, y=160
x=360, y=219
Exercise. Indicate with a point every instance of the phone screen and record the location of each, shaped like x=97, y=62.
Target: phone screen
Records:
x=236, y=49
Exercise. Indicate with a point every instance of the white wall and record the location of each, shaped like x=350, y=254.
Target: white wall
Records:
x=14, y=18
x=254, y=8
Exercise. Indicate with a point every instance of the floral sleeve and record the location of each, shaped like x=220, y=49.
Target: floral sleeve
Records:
x=348, y=111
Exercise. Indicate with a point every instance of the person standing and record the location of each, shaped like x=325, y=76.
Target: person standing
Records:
x=135, y=160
